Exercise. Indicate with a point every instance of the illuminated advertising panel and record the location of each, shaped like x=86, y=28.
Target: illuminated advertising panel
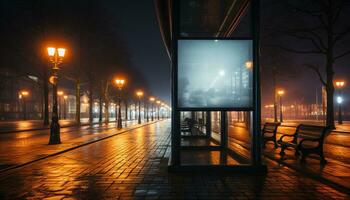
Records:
x=215, y=74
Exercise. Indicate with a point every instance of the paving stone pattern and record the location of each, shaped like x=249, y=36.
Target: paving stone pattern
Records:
x=133, y=165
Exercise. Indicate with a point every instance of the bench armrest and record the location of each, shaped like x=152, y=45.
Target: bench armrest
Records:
x=286, y=135
x=309, y=140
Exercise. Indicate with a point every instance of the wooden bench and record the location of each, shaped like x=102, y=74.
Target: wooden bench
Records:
x=269, y=132
x=307, y=139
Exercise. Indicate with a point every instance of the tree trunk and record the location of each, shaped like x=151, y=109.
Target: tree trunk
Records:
x=100, y=108
x=330, y=94
x=46, y=97
x=126, y=110
x=106, y=112
x=91, y=103
x=77, y=102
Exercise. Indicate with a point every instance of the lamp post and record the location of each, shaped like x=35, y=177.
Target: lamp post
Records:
x=139, y=95
x=152, y=99
x=280, y=94
x=340, y=101
x=56, y=57
x=23, y=95
x=339, y=85
x=158, y=103
x=120, y=84
x=60, y=94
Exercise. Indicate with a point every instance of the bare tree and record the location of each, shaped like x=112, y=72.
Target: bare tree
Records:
x=320, y=25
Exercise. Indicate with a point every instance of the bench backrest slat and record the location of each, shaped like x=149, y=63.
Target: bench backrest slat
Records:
x=270, y=127
x=311, y=131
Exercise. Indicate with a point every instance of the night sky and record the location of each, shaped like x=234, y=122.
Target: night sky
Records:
x=140, y=29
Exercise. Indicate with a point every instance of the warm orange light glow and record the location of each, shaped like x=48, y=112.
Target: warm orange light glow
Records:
x=249, y=64
x=60, y=93
x=152, y=99
x=339, y=84
x=65, y=97
x=61, y=52
x=51, y=51
x=24, y=93
x=158, y=102
x=120, y=83
x=139, y=93
x=280, y=92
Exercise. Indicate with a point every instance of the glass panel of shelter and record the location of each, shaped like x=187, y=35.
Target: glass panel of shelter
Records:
x=201, y=132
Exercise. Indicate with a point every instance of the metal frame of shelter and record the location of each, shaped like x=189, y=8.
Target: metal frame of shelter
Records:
x=175, y=161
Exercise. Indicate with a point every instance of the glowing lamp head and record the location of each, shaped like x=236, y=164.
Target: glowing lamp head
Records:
x=280, y=92
x=339, y=99
x=61, y=52
x=158, y=102
x=120, y=83
x=139, y=93
x=60, y=93
x=339, y=84
x=152, y=99
x=51, y=51
x=222, y=73
x=24, y=93
x=65, y=97
x=249, y=64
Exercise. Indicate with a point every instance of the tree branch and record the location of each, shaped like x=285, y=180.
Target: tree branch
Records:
x=339, y=36
x=316, y=69
x=295, y=51
x=320, y=47
x=342, y=54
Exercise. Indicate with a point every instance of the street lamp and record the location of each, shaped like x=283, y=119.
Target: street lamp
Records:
x=339, y=101
x=23, y=95
x=60, y=94
x=339, y=85
x=249, y=64
x=139, y=95
x=158, y=103
x=120, y=84
x=152, y=99
x=280, y=94
x=56, y=58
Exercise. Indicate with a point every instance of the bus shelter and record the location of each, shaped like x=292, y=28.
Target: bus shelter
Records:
x=213, y=46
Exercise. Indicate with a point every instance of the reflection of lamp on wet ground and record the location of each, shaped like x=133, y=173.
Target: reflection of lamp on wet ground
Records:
x=340, y=101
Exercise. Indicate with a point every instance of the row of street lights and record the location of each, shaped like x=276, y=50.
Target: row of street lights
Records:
x=120, y=83
x=339, y=85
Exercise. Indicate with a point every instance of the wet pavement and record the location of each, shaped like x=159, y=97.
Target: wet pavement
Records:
x=27, y=125
x=133, y=165
x=26, y=146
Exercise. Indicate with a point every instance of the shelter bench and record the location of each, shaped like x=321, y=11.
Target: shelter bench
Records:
x=307, y=139
x=269, y=132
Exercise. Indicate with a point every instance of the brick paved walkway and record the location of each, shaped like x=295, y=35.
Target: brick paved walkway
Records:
x=133, y=165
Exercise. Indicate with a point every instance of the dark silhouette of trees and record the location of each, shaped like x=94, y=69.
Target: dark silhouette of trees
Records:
x=96, y=52
x=315, y=27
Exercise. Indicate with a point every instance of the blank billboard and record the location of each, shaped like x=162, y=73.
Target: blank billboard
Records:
x=215, y=74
